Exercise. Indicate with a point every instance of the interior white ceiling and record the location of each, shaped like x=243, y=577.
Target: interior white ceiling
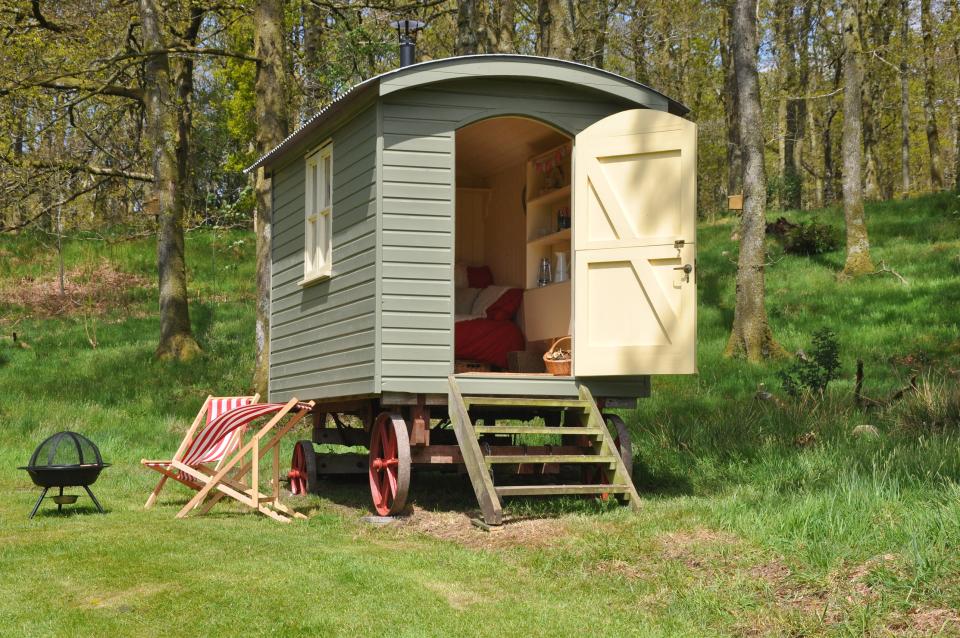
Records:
x=491, y=146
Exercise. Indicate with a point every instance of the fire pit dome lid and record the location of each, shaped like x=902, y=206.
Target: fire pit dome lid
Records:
x=65, y=449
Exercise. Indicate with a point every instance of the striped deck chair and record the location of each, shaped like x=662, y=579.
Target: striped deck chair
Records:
x=227, y=480
x=212, y=408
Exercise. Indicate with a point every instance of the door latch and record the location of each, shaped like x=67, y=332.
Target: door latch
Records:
x=687, y=269
x=678, y=244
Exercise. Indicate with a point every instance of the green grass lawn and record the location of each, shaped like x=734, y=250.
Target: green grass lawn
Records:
x=760, y=517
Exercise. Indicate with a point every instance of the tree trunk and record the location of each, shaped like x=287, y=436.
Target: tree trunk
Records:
x=506, y=24
x=312, y=56
x=162, y=126
x=956, y=115
x=789, y=108
x=466, y=42
x=871, y=180
x=799, y=105
x=731, y=108
x=638, y=43
x=904, y=97
x=598, y=57
x=829, y=166
x=858, y=247
x=751, y=336
x=778, y=203
x=930, y=113
x=182, y=69
x=554, y=38
x=815, y=157
x=272, y=127
x=880, y=19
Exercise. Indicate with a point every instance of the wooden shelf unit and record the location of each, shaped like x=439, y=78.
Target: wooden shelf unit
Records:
x=558, y=237
x=547, y=309
x=550, y=196
x=544, y=237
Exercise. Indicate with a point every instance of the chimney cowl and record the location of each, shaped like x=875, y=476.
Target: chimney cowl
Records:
x=407, y=33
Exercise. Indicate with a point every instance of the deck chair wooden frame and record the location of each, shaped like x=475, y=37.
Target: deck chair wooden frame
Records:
x=202, y=418
x=228, y=481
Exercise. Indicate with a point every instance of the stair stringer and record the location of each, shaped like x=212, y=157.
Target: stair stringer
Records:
x=477, y=469
x=608, y=445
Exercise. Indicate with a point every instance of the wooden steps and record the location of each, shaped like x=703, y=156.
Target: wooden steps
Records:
x=521, y=402
x=587, y=442
x=532, y=429
x=556, y=490
x=517, y=459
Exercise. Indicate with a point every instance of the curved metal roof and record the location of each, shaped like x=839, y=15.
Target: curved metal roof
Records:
x=488, y=65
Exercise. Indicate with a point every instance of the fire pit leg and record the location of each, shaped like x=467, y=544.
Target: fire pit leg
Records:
x=39, y=500
x=94, y=499
x=59, y=504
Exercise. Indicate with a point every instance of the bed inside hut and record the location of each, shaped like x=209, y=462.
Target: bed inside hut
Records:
x=513, y=291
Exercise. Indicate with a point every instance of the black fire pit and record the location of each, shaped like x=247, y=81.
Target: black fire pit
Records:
x=66, y=459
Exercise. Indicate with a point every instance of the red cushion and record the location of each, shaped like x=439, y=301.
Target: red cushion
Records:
x=479, y=276
x=504, y=308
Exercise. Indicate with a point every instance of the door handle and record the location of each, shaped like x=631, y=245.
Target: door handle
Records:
x=687, y=269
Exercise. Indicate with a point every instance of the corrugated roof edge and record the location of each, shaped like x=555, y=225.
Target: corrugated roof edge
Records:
x=355, y=91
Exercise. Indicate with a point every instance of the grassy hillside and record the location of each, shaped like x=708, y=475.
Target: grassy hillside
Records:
x=761, y=517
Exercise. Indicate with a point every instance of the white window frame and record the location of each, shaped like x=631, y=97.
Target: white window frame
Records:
x=318, y=216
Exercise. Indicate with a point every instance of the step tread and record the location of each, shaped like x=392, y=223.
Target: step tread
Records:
x=524, y=402
x=549, y=490
x=531, y=429
x=516, y=459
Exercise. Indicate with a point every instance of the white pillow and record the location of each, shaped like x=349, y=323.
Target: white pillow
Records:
x=463, y=300
x=460, y=276
x=487, y=297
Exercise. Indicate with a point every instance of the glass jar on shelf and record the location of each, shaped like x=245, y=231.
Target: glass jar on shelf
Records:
x=545, y=274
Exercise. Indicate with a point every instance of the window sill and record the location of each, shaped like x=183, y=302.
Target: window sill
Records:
x=314, y=278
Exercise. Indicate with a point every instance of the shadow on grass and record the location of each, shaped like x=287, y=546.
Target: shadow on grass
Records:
x=69, y=511
x=450, y=491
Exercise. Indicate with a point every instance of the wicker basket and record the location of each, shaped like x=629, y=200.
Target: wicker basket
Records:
x=557, y=367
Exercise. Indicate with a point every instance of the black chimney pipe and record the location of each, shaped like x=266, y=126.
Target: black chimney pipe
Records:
x=407, y=32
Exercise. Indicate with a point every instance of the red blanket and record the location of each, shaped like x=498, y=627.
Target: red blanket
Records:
x=486, y=340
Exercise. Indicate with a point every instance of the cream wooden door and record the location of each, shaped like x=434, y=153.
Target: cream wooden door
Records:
x=634, y=222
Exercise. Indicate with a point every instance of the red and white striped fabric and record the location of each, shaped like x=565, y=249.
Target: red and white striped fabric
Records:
x=218, y=406
x=207, y=447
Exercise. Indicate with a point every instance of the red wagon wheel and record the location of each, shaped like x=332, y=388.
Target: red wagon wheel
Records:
x=621, y=438
x=303, y=469
x=624, y=445
x=389, y=464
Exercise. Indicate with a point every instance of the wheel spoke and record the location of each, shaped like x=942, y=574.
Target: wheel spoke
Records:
x=385, y=490
x=390, y=442
x=392, y=478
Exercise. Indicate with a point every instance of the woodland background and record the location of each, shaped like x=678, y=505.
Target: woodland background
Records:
x=773, y=504
x=142, y=115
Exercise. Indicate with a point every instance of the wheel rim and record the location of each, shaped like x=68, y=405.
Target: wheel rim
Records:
x=298, y=471
x=624, y=447
x=389, y=467
x=622, y=440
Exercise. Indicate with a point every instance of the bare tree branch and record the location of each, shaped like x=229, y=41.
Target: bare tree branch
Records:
x=42, y=21
x=66, y=84
x=91, y=169
x=46, y=209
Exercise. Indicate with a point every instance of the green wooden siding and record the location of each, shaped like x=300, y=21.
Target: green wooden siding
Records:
x=323, y=337
x=417, y=226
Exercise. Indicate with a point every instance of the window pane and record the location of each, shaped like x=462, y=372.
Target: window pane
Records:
x=322, y=240
x=312, y=189
x=308, y=251
x=327, y=181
